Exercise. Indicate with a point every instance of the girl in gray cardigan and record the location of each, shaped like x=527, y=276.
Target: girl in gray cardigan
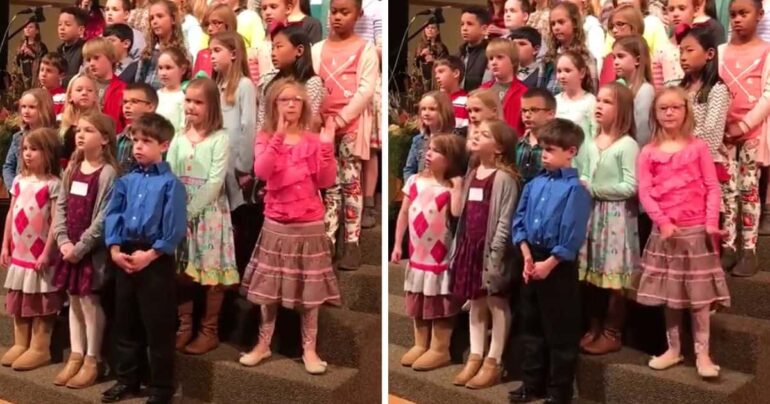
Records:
x=481, y=264
x=78, y=229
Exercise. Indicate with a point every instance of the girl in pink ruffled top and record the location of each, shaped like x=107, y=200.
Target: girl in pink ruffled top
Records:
x=291, y=265
x=678, y=188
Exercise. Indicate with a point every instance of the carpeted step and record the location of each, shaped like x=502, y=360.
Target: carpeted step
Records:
x=396, y=276
x=436, y=386
x=748, y=294
x=763, y=252
x=362, y=289
x=370, y=242
x=624, y=377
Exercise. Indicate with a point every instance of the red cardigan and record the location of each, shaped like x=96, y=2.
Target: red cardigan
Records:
x=512, y=104
x=113, y=103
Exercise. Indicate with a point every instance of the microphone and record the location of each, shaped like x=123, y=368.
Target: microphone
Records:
x=35, y=9
x=433, y=11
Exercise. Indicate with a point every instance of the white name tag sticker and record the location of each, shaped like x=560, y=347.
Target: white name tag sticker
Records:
x=79, y=188
x=476, y=194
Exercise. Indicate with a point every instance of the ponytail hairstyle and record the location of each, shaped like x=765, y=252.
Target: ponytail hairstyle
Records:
x=180, y=58
x=587, y=83
x=239, y=68
x=303, y=66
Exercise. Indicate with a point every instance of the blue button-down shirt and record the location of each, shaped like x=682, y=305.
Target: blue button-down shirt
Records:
x=148, y=207
x=553, y=214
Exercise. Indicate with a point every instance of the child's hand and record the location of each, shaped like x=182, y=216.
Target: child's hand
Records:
x=42, y=261
x=714, y=231
x=586, y=184
x=541, y=270
x=395, y=256
x=281, y=128
x=141, y=259
x=5, y=257
x=67, y=252
x=122, y=260
x=734, y=130
x=328, y=131
x=668, y=231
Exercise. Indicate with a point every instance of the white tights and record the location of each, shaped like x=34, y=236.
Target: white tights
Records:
x=501, y=322
x=86, y=325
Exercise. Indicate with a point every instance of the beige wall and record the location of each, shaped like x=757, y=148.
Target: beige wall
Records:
x=47, y=29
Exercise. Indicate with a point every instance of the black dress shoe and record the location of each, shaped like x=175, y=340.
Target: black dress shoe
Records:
x=524, y=395
x=160, y=399
x=119, y=392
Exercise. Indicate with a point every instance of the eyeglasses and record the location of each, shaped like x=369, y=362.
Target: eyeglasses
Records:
x=135, y=101
x=215, y=23
x=672, y=108
x=618, y=25
x=534, y=110
x=288, y=100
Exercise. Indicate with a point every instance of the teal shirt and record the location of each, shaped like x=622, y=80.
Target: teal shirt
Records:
x=528, y=158
x=610, y=173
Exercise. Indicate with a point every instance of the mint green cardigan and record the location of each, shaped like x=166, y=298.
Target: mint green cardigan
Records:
x=610, y=174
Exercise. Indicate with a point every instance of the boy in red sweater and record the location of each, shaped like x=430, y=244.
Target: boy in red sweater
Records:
x=100, y=59
x=449, y=74
x=53, y=68
x=503, y=62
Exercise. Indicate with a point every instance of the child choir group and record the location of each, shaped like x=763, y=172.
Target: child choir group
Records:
x=581, y=170
x=186, y=162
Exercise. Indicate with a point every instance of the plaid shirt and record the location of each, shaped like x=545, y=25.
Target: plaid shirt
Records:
x=125, y=154
x=148, y=70
x=528, y=158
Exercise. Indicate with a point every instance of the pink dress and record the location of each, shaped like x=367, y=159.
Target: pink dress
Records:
x=742, y=73
x=427, y=284
x=31, y=293
x=339, y=71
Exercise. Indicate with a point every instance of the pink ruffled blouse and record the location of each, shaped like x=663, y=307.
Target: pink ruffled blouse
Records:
x=294, y=176
x=679, y=188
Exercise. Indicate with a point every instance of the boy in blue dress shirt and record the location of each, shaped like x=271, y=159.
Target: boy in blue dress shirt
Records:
x=550, y=227
x=145, y=221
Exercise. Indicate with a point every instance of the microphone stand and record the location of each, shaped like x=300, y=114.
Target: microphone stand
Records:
x=6, y=37
x=437, y=17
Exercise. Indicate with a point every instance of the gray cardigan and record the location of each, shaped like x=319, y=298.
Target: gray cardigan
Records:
x=497, y=277
x=93, y=238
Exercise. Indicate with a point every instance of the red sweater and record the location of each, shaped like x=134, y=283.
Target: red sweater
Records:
x=112, y=104
x=58, y=96
x=512, y=104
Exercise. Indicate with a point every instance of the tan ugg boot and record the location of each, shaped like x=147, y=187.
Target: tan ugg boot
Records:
x=22, y=328
x=421, y=337
x=39, y=352
x=87, y=375
x=74, y=363
x=185, y=331
x=488, y=376
x=208, y=335
x=438, y=354
x=470, y=370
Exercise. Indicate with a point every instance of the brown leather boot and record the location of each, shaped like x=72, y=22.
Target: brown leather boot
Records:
x=490, y=374
x=22, y=329
x=611, y=339
x=69, y=371
x=39, y=352
x=594, y=330
x=87, y=375
x=470, y=370
x=208, y=335
x=747, y=265
x=438, y=354
x=421, y=337
x=185, y=331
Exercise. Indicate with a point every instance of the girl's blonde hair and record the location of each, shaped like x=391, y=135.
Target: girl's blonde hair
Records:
x=177, y=38
x=271, y=107
x=71, y=113
x=446, y=114
x=632, y=15
x=637, y=47
x=47, y=141
x=489, y=98
x=578, y=35
x=213, y=121
x=44, y=106
x=506, y=47
x=179, y=57
x=624, y=123
x=239, y=68
x=222, y=12
x=586, y=83
x=106, y=127
x=507, y=139
x=688, y=126
x=452, y=147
